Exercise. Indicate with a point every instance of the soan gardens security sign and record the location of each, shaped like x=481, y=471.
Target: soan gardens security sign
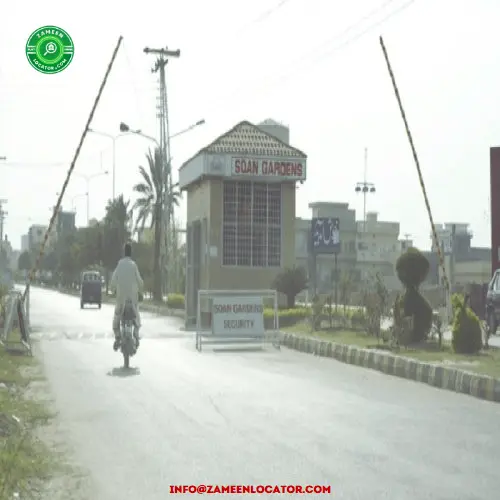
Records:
x=49, y=49
x=238, y=316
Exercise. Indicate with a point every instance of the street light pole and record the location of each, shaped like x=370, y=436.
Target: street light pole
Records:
x=113, y=138
x=87, y=179
x=73, y=205
x=365, y=187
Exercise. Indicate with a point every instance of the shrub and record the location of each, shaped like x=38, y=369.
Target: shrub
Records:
x=175, y=301
x=317, y=311
x=291, y=282
x=358, y=318
x=416, y=306
x=466, y=330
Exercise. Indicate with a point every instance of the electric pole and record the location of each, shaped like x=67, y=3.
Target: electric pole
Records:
x=3, y=214
x=168, y=224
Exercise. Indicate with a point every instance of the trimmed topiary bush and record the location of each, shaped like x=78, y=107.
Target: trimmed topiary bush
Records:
x=416, y=306
x=175, y=301
x=466, y=331
x=412, y=268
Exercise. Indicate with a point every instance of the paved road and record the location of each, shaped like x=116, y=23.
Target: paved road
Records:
x=254, y=418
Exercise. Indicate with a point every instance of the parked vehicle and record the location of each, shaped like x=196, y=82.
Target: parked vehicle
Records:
x=493, y=303
x=91, y=288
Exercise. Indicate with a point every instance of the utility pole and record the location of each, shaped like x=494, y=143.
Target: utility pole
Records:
x=3, y=214
x=167, y=201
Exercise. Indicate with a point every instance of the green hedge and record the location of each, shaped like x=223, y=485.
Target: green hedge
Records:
x=287, y=317
x=175, y=301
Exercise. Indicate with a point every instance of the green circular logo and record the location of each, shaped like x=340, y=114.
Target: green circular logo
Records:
x=49, y=49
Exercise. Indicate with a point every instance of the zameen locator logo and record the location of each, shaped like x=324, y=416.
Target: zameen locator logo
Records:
x=49, y=49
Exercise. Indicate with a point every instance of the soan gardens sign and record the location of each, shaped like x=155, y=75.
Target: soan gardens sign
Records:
x=238, y=316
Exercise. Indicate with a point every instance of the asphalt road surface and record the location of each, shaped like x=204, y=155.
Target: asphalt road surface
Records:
x=253, y=418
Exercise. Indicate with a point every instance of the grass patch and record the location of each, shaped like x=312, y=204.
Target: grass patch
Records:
x=487, y=362
x=25, y=462
x=350, y=337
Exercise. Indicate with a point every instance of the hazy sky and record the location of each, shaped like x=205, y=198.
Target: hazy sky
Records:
x=300, y=64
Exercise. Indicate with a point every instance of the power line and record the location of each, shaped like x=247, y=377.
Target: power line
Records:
x=32, y=165
x=268, y=13
x=314, y=61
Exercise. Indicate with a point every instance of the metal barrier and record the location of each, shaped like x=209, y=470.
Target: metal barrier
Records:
x=16, y=320
x=236, y=317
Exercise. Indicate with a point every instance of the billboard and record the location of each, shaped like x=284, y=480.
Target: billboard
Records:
x=325, y=235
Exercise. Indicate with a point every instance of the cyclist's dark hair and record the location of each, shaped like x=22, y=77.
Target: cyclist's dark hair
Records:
x=127, y=250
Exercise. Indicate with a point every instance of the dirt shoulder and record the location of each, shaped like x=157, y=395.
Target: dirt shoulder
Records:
x=33, y=450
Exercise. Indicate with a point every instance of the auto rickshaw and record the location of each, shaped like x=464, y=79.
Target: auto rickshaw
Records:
x=91, y=288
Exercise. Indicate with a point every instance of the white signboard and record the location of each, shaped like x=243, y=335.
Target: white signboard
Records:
x=238, y=316
x=269, y=168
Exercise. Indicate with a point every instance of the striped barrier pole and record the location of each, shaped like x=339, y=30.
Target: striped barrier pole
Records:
x=70, y=170
x=420, y=176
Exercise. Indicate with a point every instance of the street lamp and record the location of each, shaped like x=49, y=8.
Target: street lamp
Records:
x=124, y=128
x=73, y=206
x=87, y=179
x=113, y=139
x=365, y=188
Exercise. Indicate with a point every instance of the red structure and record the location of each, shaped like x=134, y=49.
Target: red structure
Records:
x=495, y=207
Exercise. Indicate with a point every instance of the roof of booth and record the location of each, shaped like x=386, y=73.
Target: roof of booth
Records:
x=247, y=138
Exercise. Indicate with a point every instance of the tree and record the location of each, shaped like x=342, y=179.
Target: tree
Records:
x=4, y=259
x=376, y=304
x=177, y=260
x=143, y=256
x=88, y=240
x=291, y=282
x=412, y=268
x=50, y=261
x=346, y=287
x=24, y=262
x=68, y=265
x=149, y=208
x=115, y=232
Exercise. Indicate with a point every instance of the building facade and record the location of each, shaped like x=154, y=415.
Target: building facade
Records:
x=321, y=271
x=366, y=248
x=464, y=264
x=377, y=250
x=240, y=211
x=25, y=242
x=36, y=234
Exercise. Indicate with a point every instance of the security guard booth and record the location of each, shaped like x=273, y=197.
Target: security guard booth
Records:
x=240, y=211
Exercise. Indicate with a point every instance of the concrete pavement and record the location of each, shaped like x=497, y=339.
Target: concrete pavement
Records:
x=253, y=418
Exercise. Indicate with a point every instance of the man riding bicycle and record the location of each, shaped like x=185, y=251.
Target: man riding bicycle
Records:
x=128, y=283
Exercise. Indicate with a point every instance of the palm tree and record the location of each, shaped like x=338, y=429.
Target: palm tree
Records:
x=118, y=213
x=115, y=232
x=149, y=208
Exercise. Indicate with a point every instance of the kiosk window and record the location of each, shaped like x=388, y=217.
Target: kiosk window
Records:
x=251, y=224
